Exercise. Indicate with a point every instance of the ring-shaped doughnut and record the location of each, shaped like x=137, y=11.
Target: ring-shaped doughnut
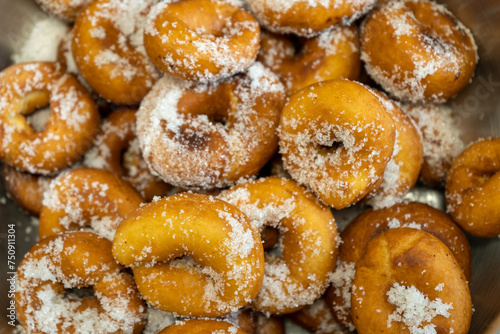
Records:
x=201, y=40
x=336, y=137
x=66, y=10
x=87, y=198
x=333, y=54
x=307, y=17
x=117, y=150
x=417, y=50
x=202, y=326
x=224, y=267
x=296, y=276
x=109, y=52
x=370, y=223
x=76, y=260
x=408, y=281
x=473, y=189
x=70, y=130
x=210, y=135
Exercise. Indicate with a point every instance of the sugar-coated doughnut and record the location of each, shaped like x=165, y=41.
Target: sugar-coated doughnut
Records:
x=440, y=138
x=70, y=130
x=201, y=40
x=117, y=150
x=222, y=264
x=109, y=52
x=66, y=10
x=56, y=264
x=211, y=135
x=333, y=54
x=417, y=50
x=408, y=281
x=473, y=189
x=202, y=326
x=318, y=319
x=370, y=223
x=296, y=276
x=25, y=189
x=337, y=138
x=307, y=17
x=87, y=197
x=403, y=169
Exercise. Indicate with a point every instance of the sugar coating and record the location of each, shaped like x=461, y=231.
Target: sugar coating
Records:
x=342, y=285
x=62, y=9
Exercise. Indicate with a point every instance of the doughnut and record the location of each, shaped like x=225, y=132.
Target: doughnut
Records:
x=403, y=169
x=117, y=150
x=294, y=276
x=109, y=52
x=317, y=318
x=26, y=190
x=307, y=17
x=473, y=189
x=334, y=54
x=210, y=135
x=201, y=40
x=68, y=134
x=66, y=10
x=192, y=255
x=408, y=281
x=370, y=223
x=418, y=51
x=202, y=326
x=86, y=197
x=336, y=137
x=76, y=260
x=440, y=138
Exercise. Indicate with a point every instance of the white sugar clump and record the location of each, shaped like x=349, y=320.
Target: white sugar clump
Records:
x=43, y=41
x=342, y=285
x=414, y=309
x=157, y=320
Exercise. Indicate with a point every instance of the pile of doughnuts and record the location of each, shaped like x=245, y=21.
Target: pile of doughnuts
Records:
x=187, y=172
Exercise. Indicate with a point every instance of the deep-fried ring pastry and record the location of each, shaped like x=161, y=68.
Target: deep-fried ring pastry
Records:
x=211, y=135
x=108, y=50
x=296, y=276
x=202, y=326
x=473, y=189
x=333, y=54
x=307, y=17
x=370, y=223
x=223, y=265
x=87, y=197
x=76, y=260
x=68, y=134
x=66, y=10
x=337, y=138
x=408, y=281
x=201, y=40
x=25, y=189
x=417, y=50
x=117, y=150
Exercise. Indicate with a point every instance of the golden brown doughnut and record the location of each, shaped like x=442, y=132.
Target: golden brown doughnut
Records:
x=337, y=138
x=201, y=40
x=87, y=197
x=417, y=50
x=68, y=134
x=76, y=260
x=440, y=138
x=117, y=150
x=202, y=326
x=25, y=189
x=333, y=54
x=473, y=189
x=408, y=281
x=223, y=265
x=296, y=276
x=211, y=135
x=66, y=10
x=109, y=51
x=307, y=17
x=370, y=223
